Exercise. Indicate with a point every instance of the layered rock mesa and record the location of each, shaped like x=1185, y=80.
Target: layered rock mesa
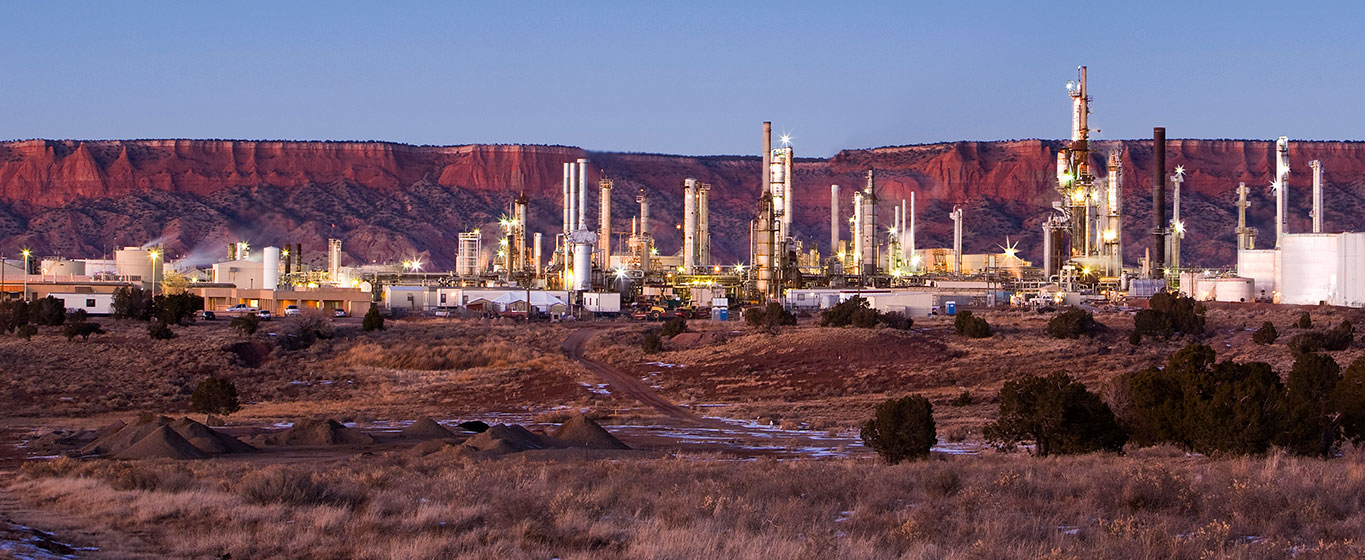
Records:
x=392, y=201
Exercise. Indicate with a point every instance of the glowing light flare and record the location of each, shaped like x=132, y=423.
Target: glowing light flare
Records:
x=620, y=272
x=1180, y=171
x=1110, y=235
x=1180, y=228
x=1078, y=195
x=786, y=139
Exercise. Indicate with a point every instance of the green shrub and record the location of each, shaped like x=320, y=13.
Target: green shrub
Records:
x=132, y=303
x=81, y=328
x=853, y=311
x=48, y=312
x=1135, y=338
x=26, y=331
x=1305, y=321
x=1312, y=427
x=1071, y=323
x=673, y=327
x=13, y=314
x=373, y=321
x=1266, y=334
x=1212, y=408
x=1348, y=400
x=901, y=429
x=215, y=396
x=897, y=320
x=77, y=316
x=246, y=323
x=159, y=330
x=1057, y=414
x=1168, y=314
x=652, y=343
x=1339, y=338
x=770, y=316
x=963, y=399
x=971, y=326
x=176, y=309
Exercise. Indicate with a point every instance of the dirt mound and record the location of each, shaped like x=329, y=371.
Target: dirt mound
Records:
x=249, y=353
x=319, y=432
x=427, y=428
x=207, y=439
x=434, y=445
x=124, y=437
x=581, y=431
x=162, y=443
x=503, y=438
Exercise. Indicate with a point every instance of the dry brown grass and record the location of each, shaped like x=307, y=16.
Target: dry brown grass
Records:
x=997, y=506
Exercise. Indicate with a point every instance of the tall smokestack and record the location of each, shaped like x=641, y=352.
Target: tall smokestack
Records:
x=582, y=194
x=912, y=227
x=833, y=219
x=568, y=196
x=1158, y=202
x=767, y=156
x=535, y=264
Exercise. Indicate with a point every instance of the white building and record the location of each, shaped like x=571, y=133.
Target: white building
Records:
x=1309, y=269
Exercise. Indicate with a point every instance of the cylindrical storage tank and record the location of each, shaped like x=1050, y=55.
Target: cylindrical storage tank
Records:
x=62, y=267
x=582, y=267
x=1234, y=289
x=133, y=263
x=270, y=261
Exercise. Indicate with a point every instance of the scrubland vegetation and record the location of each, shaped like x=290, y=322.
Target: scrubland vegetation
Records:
x=1157, y=504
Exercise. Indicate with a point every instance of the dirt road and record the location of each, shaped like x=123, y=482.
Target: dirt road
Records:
x=627, y=385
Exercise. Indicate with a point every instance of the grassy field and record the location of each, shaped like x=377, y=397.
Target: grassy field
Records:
x=1153, y=505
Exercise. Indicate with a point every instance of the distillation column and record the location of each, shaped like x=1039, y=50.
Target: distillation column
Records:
x=858, y=209
x=689, y=252
x=1281, y=186
x=911, y=258
x=1177, y=230
x=1317, y=195
x=604, y=224
x=869, y=224
x=1113, y=231
x=1246, y=237
x=834, y=220
x=644, y=245
x=704, y=224
x=956, y=215
x=522, y=257
x=535, y=262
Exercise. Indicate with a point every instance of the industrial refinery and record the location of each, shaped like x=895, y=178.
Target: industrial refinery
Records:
x=591, y=266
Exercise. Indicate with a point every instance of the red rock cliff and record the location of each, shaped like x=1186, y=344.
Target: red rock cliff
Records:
x=390, y=201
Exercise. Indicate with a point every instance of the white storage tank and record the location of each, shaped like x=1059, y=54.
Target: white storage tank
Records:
x=1234, y=289
x=270, y=262
x=62, y=267
x=134, y=263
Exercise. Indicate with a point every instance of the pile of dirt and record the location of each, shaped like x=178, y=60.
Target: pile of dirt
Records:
x=162, y=443
x=581, y=431
x=319, y=432
x=503, y=438
x=207, y=439
x=58, y=442
x=147, y=437
x=427, y=428
x=433, y=445
x=117, y=438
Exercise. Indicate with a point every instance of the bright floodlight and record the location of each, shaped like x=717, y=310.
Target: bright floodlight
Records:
x=153, y=254
x=1180, y=171
x=27, y=253
x=786, y=139
x=620, y=272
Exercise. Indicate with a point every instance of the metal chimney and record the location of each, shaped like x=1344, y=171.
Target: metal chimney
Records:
x=1158, y=202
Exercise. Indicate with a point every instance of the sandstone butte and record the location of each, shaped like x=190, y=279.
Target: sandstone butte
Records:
x=390, y=201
